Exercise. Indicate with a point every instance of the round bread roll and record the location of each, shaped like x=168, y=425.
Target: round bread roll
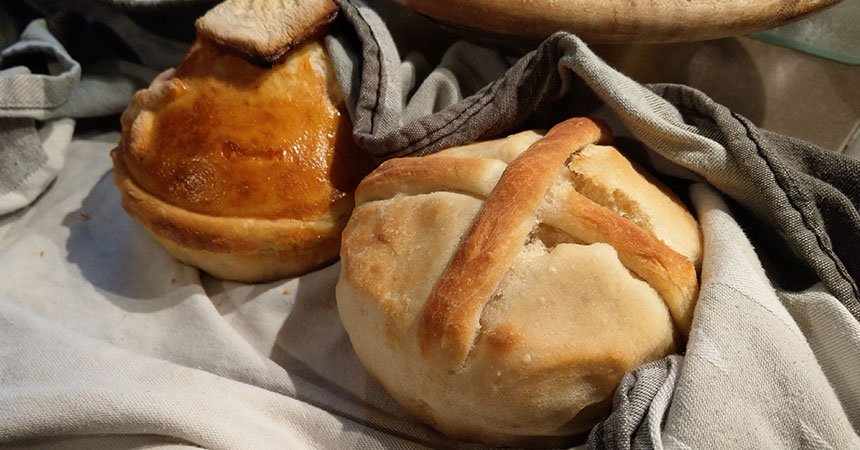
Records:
x=246, y=172
x=501, y=290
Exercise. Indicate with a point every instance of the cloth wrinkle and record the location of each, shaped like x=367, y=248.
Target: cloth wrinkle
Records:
x=826, y=249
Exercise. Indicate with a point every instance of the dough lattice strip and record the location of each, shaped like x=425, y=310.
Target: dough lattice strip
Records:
x=449, y=323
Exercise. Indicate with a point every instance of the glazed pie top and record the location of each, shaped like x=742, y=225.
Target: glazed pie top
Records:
x=224, y=137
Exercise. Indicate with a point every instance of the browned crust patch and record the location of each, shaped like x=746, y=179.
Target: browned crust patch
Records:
x=421, y=175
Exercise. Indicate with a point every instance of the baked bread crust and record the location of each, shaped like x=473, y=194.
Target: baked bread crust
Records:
x=264, y=30
x=495, y=300
x=245, y=172
x=234, y=248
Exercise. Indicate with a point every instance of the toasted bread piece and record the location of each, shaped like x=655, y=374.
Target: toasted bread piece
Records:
x=262, y=31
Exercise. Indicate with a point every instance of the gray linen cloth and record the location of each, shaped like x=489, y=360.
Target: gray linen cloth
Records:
x=31, y=158
x=43, y=89
x=107, y=342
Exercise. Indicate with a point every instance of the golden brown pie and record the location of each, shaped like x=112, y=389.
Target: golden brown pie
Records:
x=246, y=172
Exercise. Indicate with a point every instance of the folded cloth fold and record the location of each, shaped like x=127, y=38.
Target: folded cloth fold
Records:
x=29, y=158
x=43, y=88
x=35, y=95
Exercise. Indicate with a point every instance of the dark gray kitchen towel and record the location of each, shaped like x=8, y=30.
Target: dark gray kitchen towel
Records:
x=639, y=407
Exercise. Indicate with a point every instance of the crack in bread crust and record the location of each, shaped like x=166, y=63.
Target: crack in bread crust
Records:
x=671, y=274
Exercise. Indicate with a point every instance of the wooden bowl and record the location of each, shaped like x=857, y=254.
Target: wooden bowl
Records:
x=618, y=21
